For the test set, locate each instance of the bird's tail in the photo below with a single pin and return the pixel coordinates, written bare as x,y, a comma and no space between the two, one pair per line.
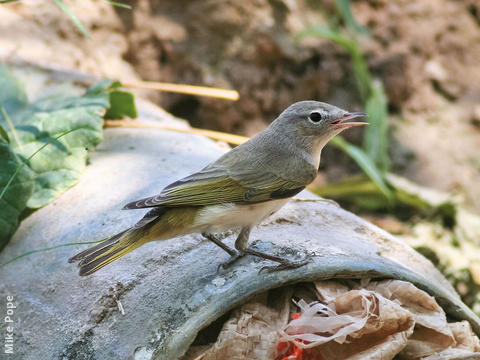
109,250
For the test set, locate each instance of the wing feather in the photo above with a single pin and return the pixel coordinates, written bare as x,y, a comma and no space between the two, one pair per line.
213,186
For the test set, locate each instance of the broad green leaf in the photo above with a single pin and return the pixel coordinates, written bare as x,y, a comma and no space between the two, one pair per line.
375,141
16,186
122,103
364,162
9,220
52,139
59,165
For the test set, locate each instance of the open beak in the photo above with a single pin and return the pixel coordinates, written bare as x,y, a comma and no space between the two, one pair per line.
343,123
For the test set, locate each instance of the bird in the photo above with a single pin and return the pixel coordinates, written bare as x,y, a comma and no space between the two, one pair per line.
237,191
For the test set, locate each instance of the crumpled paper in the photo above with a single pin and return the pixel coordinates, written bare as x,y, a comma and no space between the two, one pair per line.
252,330
370,320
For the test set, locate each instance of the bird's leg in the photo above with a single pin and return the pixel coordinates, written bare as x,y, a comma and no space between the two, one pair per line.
218,242
235,255
241,246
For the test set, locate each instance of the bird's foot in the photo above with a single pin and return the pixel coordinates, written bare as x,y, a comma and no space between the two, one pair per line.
283,263
287,264
233,258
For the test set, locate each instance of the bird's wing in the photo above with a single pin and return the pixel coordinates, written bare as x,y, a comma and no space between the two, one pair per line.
215,185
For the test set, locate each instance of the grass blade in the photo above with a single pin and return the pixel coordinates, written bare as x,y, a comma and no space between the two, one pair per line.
375,141
4,134
365,163
361,72
47,249
345,10
10,125
118,4
72,16
329,34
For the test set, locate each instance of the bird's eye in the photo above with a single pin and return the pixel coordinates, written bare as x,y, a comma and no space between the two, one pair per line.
315,117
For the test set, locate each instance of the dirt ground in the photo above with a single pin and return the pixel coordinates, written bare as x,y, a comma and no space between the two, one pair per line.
425,52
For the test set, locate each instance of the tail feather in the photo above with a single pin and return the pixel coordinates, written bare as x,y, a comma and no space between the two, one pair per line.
112,248
96,257
91,250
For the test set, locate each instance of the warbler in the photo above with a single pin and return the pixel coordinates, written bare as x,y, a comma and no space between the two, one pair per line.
235,192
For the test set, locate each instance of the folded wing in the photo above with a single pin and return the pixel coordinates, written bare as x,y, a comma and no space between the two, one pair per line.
214,185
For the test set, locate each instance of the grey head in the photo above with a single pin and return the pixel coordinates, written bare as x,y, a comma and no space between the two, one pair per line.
305,127
315,120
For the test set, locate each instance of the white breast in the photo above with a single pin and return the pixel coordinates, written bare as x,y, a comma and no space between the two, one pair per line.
218,218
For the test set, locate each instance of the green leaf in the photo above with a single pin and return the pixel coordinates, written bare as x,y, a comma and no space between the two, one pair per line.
9,218
122,103
33,125
375,141
364,162
16,186
72,17
52,138
59,166
102,86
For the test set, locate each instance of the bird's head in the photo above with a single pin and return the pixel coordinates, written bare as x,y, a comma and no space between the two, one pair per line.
315,120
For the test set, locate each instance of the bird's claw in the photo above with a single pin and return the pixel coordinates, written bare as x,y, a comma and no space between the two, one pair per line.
287,264
229,262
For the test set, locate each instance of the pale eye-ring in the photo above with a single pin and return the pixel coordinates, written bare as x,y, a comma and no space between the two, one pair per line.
315,117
